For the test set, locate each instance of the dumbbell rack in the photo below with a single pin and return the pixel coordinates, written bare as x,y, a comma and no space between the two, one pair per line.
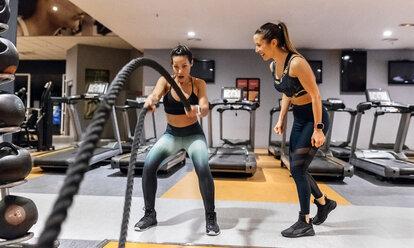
4,191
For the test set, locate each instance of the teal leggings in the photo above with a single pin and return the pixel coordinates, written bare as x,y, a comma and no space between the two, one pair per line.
190,138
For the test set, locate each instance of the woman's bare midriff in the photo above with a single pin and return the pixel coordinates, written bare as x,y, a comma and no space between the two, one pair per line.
301,100
180,120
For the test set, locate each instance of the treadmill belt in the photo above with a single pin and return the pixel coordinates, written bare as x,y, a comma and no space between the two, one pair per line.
63,158
321,166
228,162
139,162
404,167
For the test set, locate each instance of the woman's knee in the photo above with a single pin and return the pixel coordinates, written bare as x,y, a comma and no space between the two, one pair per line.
297,172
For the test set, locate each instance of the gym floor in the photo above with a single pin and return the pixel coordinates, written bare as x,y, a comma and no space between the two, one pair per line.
251,211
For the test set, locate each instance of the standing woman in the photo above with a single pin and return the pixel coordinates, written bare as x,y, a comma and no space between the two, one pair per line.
294,78
183,132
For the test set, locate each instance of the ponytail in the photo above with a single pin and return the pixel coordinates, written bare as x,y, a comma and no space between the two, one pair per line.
279,32
288,44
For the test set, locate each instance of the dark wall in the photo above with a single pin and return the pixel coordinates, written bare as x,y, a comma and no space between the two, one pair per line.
41,71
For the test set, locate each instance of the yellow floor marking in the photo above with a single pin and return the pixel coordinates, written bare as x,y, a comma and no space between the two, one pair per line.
37,153
36,172
57,151
126,156
270,183
143,245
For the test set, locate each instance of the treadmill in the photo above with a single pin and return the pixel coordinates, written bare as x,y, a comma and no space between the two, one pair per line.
122,161
233,156
275,146
324,163
387,164
64,157
340,149
391,146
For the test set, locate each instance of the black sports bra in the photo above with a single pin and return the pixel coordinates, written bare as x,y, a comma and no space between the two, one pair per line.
174,107
288,85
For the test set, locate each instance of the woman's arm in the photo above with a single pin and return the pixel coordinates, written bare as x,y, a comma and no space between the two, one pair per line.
284,108
158,92
301,69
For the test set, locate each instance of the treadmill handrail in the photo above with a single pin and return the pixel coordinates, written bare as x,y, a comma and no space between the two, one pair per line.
404,108
231,107
137,104
218,102
274,109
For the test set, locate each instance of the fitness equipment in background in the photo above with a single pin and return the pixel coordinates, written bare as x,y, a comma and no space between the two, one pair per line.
38,123
65,157
340,149
234,155
389,164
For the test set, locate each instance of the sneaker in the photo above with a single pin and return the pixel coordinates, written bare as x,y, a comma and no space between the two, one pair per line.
323,210
149,220
212,229
299,229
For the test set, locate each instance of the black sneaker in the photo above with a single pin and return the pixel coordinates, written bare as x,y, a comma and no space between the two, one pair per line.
212,229
323,210
299,229
149,220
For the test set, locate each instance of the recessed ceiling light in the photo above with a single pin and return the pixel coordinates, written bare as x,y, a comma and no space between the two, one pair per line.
407,25
54,8
387,33
191,34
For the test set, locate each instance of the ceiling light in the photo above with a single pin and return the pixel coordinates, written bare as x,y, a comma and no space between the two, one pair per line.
387,33
55,8
191,34
407,25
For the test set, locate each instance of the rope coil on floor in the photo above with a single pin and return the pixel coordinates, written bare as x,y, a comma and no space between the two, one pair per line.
76,171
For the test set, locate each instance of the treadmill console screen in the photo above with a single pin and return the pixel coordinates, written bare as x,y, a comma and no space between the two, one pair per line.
377,95
231,94
97,88
335,100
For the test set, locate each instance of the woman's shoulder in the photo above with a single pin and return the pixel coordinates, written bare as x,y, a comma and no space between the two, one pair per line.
297,60
198,82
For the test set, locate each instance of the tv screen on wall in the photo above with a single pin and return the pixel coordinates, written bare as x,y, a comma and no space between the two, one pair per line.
353,74
316,66
204,69
401,72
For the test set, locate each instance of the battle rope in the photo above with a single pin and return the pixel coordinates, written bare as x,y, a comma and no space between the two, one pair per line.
130,178
76,171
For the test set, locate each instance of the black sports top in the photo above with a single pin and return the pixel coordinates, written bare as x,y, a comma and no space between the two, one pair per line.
288,85
174,107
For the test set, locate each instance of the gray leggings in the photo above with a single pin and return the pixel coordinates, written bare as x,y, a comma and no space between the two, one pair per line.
190,138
